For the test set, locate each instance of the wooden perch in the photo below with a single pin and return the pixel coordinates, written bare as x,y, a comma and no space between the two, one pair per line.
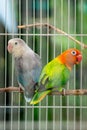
53,28
67,92
11,89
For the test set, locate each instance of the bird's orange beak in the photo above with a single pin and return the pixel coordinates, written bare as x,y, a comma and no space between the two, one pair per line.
9,48
79,58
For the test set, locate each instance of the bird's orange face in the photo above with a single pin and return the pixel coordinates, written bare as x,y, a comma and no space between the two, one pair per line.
70,57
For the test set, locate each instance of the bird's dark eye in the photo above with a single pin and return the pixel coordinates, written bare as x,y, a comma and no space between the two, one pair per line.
73,53
16,43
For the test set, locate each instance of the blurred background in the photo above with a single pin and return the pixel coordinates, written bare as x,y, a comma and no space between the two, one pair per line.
54,112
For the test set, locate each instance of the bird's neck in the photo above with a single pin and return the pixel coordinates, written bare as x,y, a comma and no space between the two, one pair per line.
62,60
18,53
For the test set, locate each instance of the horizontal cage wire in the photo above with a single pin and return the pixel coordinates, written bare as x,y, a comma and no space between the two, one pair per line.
48,27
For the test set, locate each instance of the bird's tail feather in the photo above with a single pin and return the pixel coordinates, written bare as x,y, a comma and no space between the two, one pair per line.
28,96
27,99
29,93
39,96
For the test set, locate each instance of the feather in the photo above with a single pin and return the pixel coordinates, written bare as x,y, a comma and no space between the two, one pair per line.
56,73
28,66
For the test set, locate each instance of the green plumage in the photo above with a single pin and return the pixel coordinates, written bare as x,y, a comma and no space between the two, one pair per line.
54,76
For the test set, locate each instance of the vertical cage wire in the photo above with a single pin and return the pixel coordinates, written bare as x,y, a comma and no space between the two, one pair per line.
55,112
61,52
75,69
33,49
19,22
54,48
5,69
74,97
26,110
68,47
40,110
81,66
47,62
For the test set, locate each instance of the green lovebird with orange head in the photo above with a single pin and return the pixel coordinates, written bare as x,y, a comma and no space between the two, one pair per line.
56,73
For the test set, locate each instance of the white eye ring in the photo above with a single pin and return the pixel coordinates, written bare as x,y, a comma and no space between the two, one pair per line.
73,53
16,43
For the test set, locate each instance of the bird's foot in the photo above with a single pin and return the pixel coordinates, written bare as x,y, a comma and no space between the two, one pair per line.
63,91
20,89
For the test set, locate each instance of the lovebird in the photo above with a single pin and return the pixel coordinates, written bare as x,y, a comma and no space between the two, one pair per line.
28,66
56,73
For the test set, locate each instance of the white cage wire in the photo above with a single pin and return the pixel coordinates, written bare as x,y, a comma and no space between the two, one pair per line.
54,112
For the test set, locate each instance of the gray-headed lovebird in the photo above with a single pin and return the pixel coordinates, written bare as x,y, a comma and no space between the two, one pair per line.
28,66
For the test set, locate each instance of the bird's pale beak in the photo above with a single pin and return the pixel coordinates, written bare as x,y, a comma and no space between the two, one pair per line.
9,48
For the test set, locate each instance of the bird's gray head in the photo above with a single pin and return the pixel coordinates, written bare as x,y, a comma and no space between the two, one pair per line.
16,46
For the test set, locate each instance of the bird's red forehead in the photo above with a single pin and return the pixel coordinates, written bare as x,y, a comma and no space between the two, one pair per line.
73,49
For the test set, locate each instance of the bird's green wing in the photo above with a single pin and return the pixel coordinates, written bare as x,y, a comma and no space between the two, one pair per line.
54,74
